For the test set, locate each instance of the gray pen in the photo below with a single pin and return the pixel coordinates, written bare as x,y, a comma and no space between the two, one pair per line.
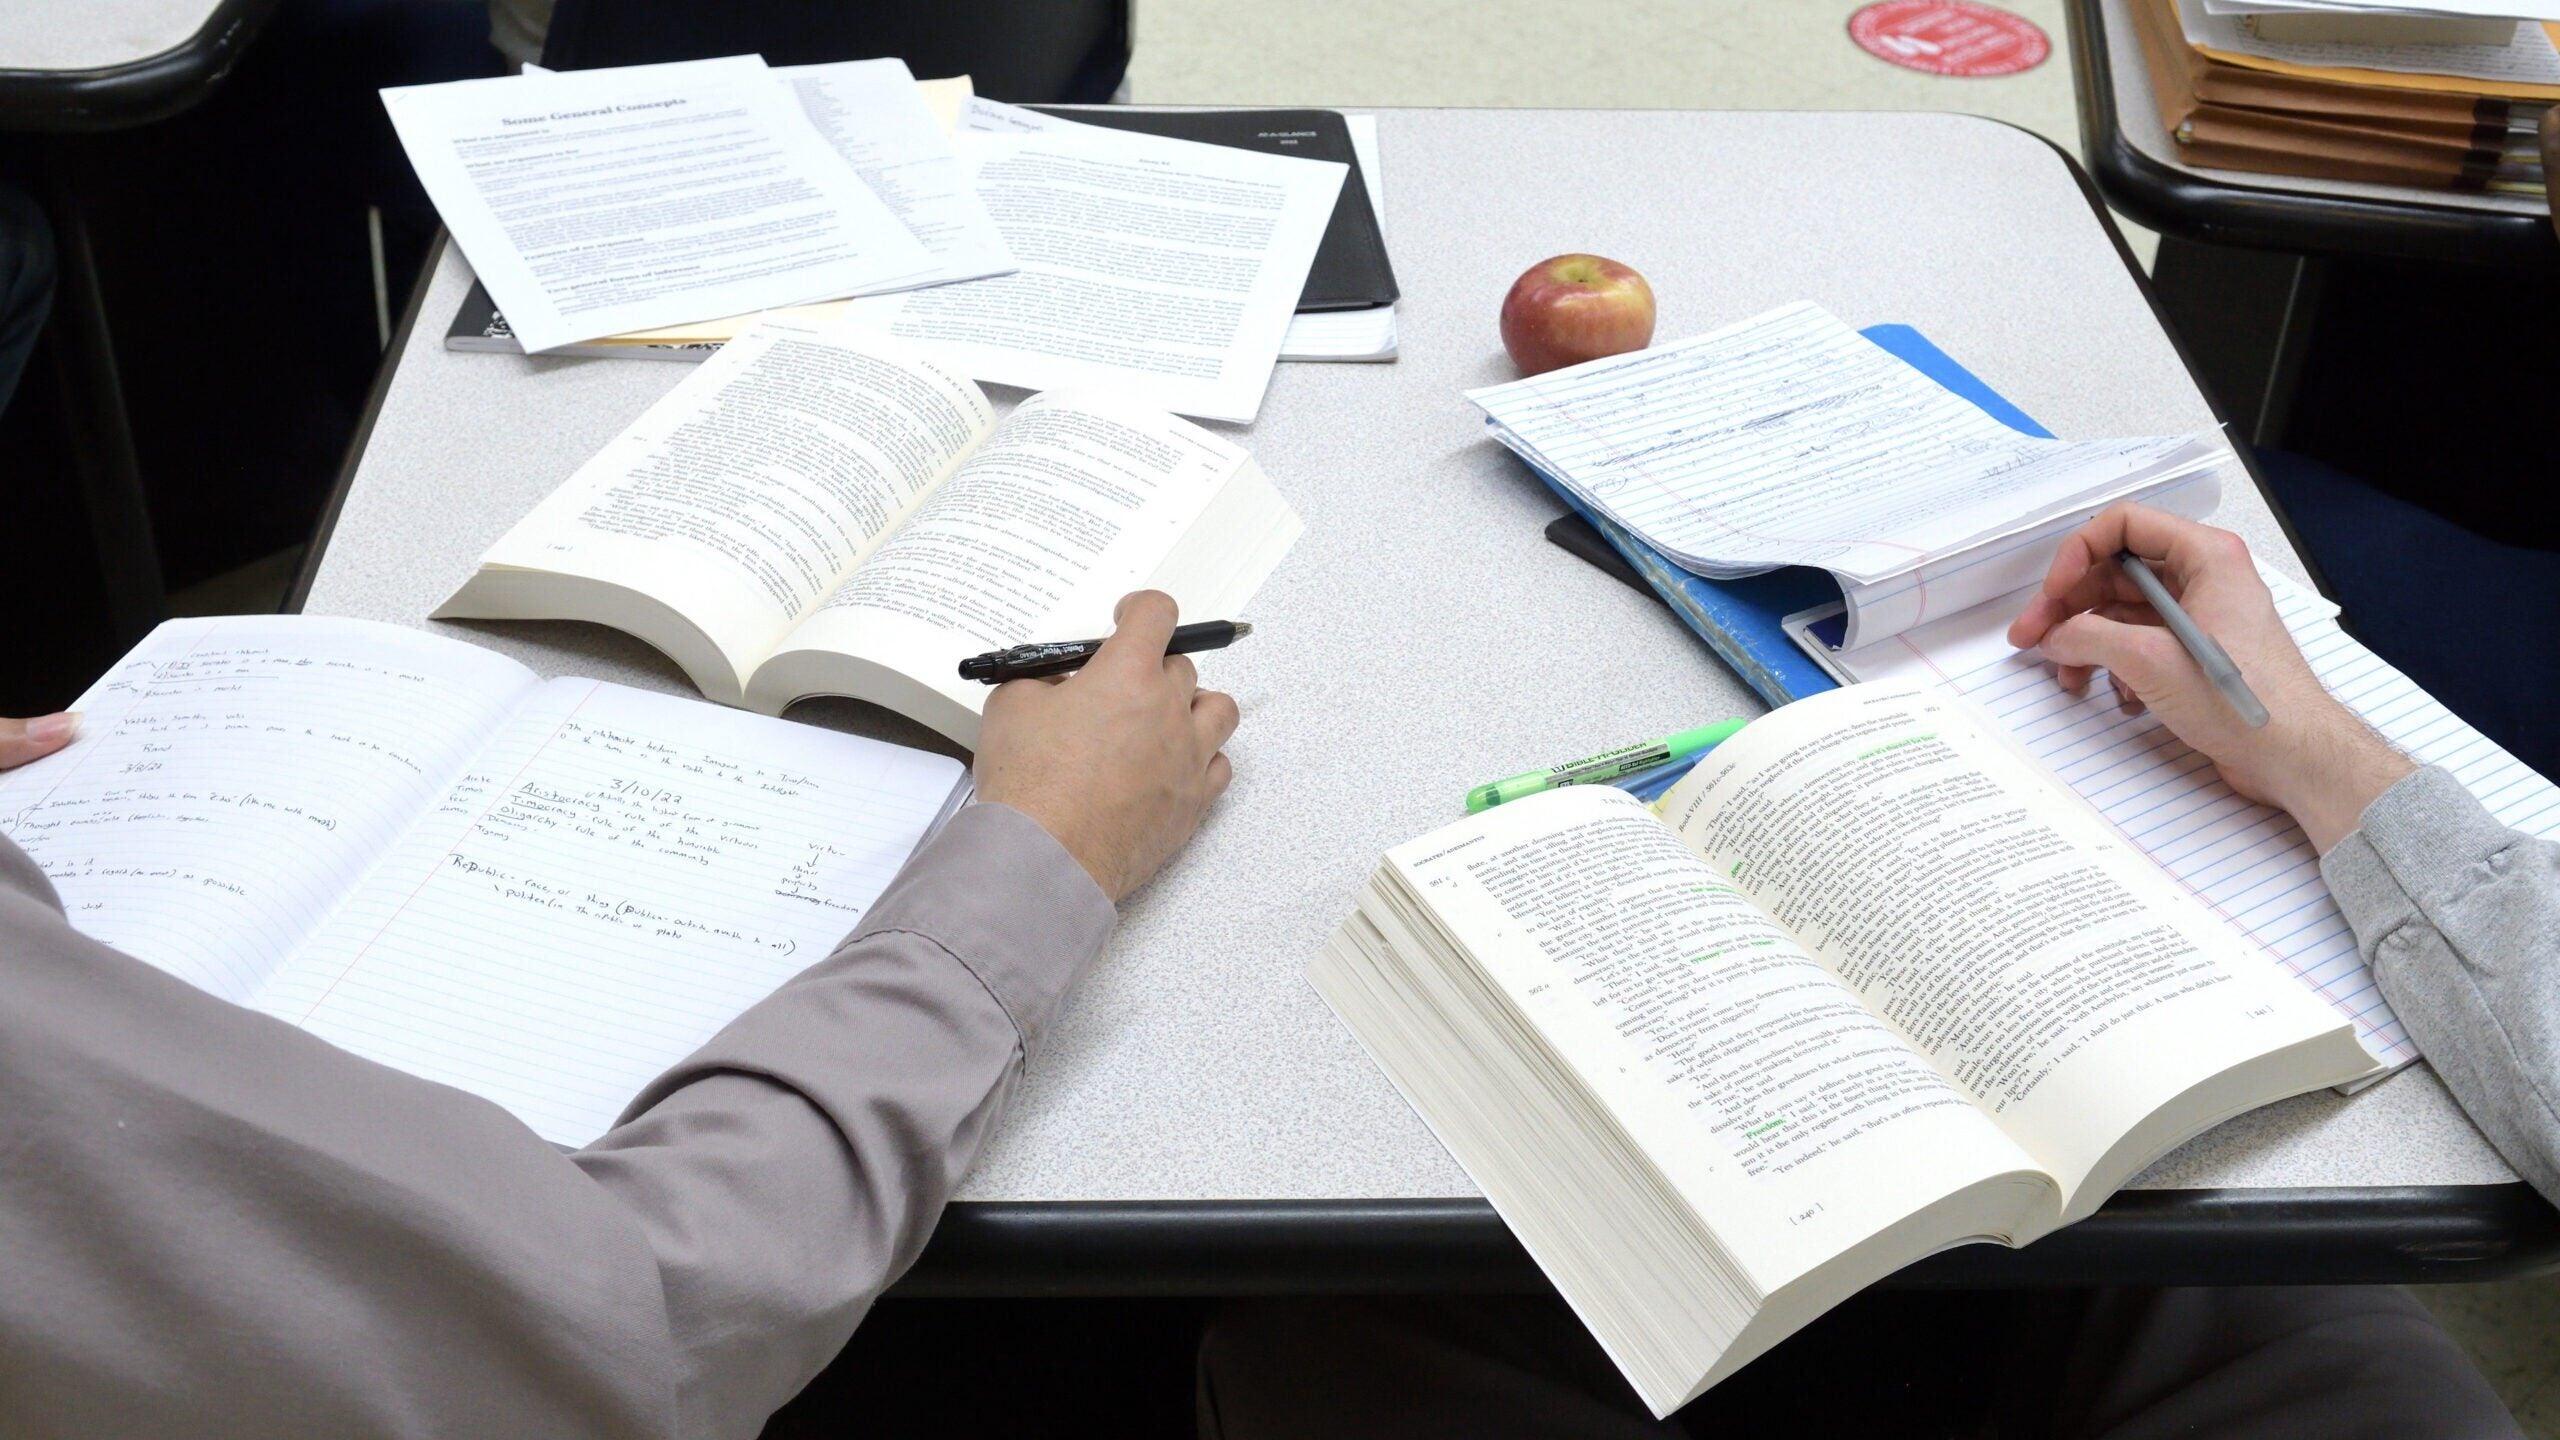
2217,665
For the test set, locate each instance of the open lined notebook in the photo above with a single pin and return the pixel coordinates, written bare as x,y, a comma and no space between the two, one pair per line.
2248,863
543,892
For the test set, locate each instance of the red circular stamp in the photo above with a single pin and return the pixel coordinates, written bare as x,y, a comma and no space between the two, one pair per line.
1949,37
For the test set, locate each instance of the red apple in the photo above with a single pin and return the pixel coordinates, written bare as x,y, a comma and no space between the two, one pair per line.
1574,308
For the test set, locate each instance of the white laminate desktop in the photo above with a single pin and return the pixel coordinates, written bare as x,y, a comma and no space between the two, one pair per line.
1423,636
2138,115
72,35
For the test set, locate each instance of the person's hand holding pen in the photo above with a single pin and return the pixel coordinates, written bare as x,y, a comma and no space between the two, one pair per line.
2313,758
1118,760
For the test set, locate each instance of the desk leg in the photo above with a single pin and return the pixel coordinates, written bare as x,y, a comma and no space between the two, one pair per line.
2245,317
93,399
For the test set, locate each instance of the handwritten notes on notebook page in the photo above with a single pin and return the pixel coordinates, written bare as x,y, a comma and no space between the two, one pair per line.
234,777
611,879
543,893
1790,439
2247,862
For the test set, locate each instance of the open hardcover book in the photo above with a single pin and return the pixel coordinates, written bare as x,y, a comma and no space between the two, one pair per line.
811,515
1869,985
543,892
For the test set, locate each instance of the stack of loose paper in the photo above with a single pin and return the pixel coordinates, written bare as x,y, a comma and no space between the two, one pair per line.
1339,335
1164,269
1333,335
2452,106
601,202
1790,439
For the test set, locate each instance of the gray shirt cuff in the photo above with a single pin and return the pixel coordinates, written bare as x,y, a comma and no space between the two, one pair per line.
2420,843
2459,917
1007,901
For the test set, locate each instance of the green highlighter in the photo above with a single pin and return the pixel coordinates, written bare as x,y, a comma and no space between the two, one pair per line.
1606,767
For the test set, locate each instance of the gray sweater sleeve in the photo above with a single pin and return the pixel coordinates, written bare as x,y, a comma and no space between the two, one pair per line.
2460,919
212,1223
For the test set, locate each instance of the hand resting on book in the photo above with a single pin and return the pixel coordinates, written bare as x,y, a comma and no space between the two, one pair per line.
24,740
1117,761
2314,758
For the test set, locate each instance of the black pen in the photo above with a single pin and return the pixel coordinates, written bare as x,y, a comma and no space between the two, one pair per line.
1057,657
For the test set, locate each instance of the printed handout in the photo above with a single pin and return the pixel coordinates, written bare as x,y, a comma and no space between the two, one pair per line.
1164,269
602,201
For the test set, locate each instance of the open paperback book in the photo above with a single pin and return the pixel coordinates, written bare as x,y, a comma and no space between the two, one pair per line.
2248,863
1868,985
1791,439
814,515
543,892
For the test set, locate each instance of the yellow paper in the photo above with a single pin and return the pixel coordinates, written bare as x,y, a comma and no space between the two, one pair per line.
945,97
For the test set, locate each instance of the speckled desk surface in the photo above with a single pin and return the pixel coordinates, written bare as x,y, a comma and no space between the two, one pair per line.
1423,635
96,34
2138,114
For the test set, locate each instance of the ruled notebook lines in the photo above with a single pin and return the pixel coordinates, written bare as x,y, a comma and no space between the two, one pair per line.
543,893
2248,863
607,884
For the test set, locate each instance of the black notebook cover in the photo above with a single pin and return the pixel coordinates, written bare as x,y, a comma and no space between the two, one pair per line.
1350,270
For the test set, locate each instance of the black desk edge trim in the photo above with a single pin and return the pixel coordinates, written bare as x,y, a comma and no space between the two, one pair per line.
2442,1234
2089,192
117,97
309,570
2430,1234
2218,212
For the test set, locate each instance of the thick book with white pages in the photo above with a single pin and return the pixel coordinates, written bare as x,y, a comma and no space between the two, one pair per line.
816,515
545,892
1869,983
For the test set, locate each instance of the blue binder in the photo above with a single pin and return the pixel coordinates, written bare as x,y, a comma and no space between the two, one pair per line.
1740,618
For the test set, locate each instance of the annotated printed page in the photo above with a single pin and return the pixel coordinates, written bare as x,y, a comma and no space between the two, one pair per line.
1792,1118
233,777
617,875
1163,270
596,202
1791,439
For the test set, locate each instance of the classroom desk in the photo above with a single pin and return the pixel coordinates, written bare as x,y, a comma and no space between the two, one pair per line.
1197,1121
2139,170
110,64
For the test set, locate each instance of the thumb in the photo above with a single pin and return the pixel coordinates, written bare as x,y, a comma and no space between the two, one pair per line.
2146,658
25,740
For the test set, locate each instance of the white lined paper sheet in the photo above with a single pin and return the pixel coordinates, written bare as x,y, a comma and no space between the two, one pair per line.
615,877
2248,863
235,775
